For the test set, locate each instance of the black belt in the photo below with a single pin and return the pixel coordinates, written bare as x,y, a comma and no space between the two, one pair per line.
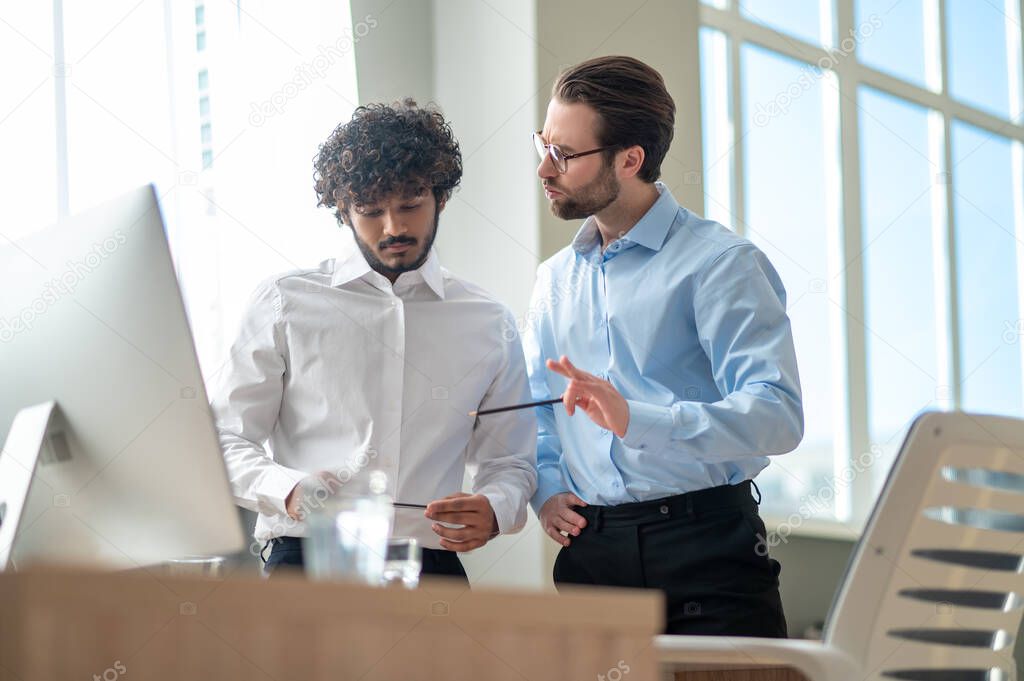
689,504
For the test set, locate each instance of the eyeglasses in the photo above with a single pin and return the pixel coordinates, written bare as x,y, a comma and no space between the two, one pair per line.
559,158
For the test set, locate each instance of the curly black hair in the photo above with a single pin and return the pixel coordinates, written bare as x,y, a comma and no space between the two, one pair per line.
386,148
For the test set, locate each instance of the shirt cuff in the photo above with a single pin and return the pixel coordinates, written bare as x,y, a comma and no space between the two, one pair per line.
549,483
649,426
276,484
504,514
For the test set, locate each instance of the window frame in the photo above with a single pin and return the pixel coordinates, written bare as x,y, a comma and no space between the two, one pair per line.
847,334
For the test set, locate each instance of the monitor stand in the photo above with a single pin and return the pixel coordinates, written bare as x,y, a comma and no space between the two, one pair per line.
25,445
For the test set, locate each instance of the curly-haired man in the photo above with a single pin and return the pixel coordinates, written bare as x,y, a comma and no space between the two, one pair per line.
373,360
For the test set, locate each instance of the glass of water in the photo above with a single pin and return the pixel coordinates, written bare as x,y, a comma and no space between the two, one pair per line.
403,563
348,531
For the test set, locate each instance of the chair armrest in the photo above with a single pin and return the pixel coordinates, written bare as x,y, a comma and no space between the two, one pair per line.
813,659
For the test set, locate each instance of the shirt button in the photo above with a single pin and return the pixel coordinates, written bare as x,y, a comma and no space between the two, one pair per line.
664,510
643,446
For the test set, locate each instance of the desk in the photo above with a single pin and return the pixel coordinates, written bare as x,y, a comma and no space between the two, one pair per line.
725,666
65,624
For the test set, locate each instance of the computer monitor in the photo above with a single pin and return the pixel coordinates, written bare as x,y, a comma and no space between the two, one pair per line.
130,472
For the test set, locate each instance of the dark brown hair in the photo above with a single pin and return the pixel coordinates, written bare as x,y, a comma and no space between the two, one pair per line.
386,148
632,102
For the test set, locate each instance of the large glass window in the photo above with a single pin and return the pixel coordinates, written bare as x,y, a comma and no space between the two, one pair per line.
804,19
899,181
987,242
897,41
785,100
979,38
878,161
28,174
226,128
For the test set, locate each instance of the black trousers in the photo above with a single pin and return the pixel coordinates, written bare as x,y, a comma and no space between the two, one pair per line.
287,553
701,548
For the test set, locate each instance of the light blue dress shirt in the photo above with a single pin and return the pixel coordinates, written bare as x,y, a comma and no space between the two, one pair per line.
688,321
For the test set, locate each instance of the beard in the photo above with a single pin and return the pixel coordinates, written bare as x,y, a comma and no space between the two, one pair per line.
589,199
377,265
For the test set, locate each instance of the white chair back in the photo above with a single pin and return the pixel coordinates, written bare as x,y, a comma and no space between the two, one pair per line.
933,589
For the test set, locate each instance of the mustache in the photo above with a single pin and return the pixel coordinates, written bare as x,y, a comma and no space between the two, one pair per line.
391,241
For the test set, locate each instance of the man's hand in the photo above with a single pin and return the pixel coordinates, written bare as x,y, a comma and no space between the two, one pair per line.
473,511
297,502
556,516
293,503
597,397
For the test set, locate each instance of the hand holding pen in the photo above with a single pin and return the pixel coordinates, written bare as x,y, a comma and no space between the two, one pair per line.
598,398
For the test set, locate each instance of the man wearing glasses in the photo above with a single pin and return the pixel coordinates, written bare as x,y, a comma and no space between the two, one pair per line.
682,363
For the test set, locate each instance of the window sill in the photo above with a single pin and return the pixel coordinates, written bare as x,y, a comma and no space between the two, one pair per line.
813,528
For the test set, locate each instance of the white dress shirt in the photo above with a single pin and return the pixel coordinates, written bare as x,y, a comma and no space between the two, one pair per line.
337,369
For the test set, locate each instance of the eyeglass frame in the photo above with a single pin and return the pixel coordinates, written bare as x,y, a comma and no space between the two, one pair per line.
539,142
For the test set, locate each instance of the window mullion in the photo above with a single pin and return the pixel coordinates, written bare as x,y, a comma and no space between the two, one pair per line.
60,73
952,371
846,291
738,165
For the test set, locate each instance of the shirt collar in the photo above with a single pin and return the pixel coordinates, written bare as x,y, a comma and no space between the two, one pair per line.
650,231
431,273
354,266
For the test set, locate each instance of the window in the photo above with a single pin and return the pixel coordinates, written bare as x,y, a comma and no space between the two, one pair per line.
28,122
897,43
103,115
901,204
983,54
988,235
235,182
892,203
794,236
717,135
799,18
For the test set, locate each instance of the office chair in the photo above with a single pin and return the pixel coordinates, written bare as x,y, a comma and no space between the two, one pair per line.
933,588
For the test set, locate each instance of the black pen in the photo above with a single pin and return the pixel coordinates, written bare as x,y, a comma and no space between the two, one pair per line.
515,406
